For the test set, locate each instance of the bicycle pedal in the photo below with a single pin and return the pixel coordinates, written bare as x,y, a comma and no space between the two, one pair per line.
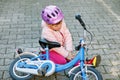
43,71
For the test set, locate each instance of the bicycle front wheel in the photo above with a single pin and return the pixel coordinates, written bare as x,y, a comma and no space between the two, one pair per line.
91,74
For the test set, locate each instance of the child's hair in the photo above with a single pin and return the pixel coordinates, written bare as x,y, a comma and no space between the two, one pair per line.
52,14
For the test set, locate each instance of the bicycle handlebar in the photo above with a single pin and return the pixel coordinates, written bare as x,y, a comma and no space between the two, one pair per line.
78,17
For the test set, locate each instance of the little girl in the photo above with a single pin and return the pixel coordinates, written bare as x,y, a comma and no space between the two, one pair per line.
54,29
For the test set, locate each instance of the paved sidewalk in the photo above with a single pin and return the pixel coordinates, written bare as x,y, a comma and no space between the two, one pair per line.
20,27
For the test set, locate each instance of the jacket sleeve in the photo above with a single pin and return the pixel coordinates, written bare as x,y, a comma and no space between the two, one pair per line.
68,39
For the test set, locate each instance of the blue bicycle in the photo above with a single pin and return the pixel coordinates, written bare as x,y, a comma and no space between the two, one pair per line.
28,64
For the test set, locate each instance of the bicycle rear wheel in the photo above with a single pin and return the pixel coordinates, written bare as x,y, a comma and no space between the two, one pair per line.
91,73
16,75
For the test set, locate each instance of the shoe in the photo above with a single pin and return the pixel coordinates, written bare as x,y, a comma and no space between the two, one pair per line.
96,61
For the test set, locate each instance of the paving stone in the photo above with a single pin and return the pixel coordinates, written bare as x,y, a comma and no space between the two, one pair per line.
4,68
106,62
10,55
8,61
110,77
6,75
1,62
1,74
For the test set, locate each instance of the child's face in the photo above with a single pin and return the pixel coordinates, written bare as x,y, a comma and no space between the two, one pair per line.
56,26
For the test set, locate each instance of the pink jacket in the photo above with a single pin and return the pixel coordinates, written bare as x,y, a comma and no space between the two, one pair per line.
63,37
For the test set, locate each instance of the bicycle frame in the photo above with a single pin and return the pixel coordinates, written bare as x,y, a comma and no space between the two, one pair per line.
79,57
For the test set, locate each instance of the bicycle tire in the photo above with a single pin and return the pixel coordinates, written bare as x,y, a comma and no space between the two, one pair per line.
76,73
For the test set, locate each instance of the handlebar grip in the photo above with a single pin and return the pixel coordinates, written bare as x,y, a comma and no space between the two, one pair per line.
77,47
78,17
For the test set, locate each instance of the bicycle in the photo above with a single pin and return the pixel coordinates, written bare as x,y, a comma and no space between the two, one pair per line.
28,64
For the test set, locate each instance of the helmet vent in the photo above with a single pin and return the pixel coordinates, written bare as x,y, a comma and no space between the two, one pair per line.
42,11
48,16
56,12
58,9
53,14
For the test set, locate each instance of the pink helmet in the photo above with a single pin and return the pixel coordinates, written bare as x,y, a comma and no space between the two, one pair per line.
52,14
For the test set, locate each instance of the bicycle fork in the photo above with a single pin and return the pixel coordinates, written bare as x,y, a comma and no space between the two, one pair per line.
82,58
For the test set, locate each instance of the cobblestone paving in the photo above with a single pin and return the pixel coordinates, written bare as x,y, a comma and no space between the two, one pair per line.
20,27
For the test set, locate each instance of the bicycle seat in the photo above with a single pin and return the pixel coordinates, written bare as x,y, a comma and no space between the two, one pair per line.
51,44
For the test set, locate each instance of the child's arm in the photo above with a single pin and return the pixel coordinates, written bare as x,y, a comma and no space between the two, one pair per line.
68,39
47,34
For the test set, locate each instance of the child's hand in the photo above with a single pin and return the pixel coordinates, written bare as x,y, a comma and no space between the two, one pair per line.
70,56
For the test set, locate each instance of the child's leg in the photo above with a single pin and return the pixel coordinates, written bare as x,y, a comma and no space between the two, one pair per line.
57,58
